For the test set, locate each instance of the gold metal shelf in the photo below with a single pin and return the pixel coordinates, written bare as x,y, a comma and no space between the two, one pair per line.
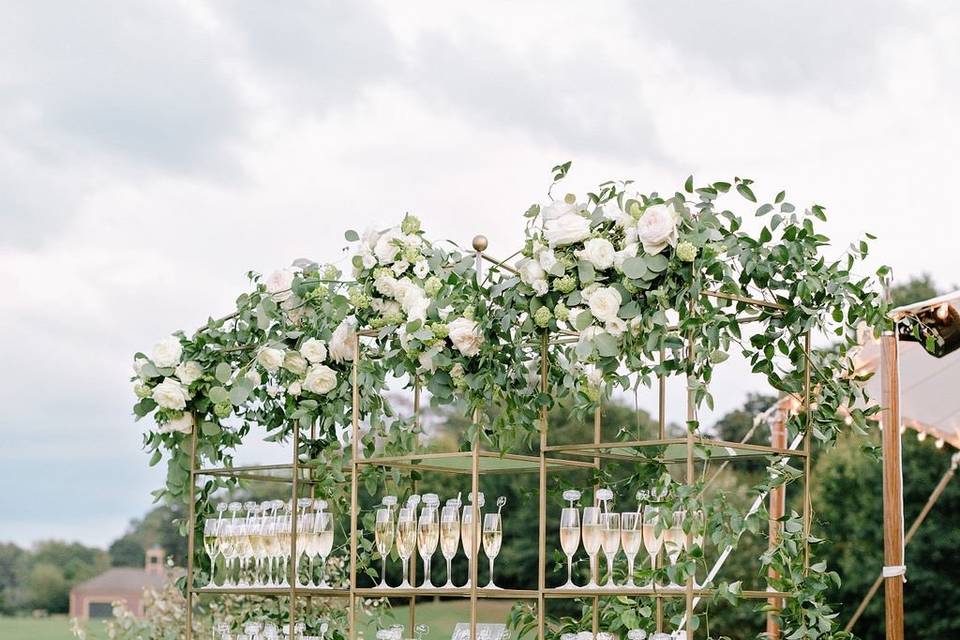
313,592
393,592
671,450
581,592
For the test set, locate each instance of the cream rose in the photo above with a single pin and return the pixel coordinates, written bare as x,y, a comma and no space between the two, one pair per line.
387,246
657,228
270,358
320,379
294,389
181,424
605,304
314,350
167,352
599,252
341,342
547,259
170,394
412,299
278,284
188,372
295,363
533,274
566,230
557,209
465,336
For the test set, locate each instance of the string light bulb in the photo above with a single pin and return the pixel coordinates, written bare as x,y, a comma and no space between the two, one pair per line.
943,311
939,443
921,436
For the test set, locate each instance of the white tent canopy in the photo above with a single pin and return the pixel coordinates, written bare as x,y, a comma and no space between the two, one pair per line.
929,386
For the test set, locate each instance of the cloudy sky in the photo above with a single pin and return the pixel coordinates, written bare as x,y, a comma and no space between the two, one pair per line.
151,152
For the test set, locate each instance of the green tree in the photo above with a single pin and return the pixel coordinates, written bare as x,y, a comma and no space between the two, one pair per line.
127,551
13,565
47,588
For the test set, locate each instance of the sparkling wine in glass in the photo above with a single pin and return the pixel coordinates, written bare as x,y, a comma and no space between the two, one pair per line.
406,540
591,530
450,536
652,540
570,533
472,518
210,538
323,526
631,538
610,542
428,535
384,530
674,540
492,539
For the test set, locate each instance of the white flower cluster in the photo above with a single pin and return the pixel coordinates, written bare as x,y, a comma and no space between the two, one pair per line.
170,389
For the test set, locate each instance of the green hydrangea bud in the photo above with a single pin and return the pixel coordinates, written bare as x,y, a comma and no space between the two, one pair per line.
330,272
592,393
141,390
634,209
381,272
542,317
411,254
468,313
561,312
686,251
565,284
432,286
222,409
440,330
358,298
394,317
410,224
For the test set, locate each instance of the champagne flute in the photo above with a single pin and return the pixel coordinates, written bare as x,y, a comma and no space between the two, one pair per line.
466,531
450,536
493,538
210,544
570,533
383,533
406,539
283,539
674,540
592,532
268,533
428,535
246,549
652,541
610,542
323,527
631,537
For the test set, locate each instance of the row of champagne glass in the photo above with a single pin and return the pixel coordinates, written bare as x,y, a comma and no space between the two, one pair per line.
255,541
265,630
603,530
446,527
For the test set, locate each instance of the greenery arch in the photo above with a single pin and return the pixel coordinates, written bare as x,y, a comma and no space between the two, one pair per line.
620,272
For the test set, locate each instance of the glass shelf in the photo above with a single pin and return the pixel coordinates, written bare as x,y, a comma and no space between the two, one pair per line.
670,450
393,592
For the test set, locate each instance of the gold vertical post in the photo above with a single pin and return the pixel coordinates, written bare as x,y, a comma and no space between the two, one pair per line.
294,486
691,417
412,608
191,530
597,422
778,439
544,418
661,434
475,525
892,484
354,481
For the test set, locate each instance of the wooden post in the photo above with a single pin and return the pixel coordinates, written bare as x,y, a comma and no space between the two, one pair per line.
778,439
892,484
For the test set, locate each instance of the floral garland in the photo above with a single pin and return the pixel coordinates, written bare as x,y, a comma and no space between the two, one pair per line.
626,280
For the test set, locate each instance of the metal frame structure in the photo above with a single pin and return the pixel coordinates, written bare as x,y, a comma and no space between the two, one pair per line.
476,462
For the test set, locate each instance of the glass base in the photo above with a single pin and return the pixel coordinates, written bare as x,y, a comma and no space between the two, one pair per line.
491,586
569,584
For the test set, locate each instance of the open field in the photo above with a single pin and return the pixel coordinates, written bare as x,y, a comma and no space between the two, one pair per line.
440,616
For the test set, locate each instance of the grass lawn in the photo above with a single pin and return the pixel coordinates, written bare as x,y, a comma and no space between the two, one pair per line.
440,616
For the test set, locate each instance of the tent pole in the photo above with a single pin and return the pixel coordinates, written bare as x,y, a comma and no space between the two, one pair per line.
934,496
892,486
778,439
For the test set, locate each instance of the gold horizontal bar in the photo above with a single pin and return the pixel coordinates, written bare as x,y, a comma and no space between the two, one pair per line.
311,592
745,300
707,442
499,263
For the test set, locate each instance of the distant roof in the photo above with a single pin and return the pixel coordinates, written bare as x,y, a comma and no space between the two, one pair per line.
124,580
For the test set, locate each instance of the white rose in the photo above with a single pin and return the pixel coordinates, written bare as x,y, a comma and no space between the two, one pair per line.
170,394
387,247
629,251
465,336
593,374
611,210
566,230
412,299
421,269
616,326
597,251
605,304
533,274
385,284
399,267
320,379
657,228
636,324
557,209
314,350
182,424
295,363
368,260
547,259
167,352
270,358
294,389
188,372
278,284
341,342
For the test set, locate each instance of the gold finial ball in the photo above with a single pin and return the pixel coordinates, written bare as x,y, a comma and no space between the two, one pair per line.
480,243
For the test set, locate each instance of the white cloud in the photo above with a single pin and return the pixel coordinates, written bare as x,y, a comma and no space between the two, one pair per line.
152,153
